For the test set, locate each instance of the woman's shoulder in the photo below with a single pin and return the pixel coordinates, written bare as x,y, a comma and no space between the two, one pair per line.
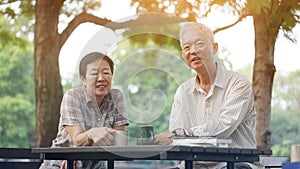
75,91
116,93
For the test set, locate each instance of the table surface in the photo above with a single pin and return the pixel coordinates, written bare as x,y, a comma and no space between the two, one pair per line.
152,152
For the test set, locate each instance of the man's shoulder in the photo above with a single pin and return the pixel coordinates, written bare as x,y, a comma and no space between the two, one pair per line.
188,84
236,76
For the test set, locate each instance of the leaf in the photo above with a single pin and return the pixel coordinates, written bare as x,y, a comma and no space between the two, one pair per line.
258,6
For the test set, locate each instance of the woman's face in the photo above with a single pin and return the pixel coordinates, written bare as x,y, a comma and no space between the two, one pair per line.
98,79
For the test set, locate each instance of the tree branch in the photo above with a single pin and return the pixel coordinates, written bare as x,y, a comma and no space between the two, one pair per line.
142,20
231,25
79,19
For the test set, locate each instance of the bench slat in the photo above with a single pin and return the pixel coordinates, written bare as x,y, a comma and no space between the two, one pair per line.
20,165
19,158
274,161
19,153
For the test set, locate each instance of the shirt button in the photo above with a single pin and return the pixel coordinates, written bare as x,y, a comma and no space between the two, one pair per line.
99,119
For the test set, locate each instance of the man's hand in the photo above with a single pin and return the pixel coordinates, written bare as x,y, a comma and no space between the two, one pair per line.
101,136
190,132
164,138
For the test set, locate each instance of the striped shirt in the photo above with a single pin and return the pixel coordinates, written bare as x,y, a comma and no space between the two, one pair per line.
227,111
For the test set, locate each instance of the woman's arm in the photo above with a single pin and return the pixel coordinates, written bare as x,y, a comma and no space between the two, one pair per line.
101,136
78,135
120,127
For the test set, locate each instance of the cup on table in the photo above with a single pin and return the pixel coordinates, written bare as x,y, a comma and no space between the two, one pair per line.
120,138
145,135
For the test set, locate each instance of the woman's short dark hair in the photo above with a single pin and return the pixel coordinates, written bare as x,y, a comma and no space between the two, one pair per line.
89,58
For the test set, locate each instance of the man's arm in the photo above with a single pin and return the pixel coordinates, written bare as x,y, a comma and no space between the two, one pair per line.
179,116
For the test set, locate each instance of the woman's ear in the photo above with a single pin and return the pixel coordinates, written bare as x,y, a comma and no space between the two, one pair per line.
216,47
82,79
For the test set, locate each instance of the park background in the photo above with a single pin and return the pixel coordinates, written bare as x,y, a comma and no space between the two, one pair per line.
237,52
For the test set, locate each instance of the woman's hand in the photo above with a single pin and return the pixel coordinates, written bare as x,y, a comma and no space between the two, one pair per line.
165,138
101,136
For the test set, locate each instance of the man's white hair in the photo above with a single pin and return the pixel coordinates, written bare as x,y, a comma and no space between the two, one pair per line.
194,26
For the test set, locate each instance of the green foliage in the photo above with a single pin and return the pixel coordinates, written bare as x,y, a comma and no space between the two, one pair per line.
285,132
222,58
283,149
16,72
285,115
258,6
247,71
285,13
16,22
17,99
166,35
17,121
72,81
8,34
13,9
183,9
72,8
285,111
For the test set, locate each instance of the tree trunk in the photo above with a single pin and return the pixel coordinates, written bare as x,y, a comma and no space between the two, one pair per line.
264,70
48,88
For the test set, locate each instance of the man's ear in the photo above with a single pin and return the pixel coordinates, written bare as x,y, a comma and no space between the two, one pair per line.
216,47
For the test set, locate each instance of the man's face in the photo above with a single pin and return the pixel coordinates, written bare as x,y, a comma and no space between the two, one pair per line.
98,78
197,50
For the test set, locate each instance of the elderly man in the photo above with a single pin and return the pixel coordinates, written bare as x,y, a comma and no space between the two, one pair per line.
216,102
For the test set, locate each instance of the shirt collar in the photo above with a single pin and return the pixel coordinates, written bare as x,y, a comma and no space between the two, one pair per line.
219,81
89,98
220,77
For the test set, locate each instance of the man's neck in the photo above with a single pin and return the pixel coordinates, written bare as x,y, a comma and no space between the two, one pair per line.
206,78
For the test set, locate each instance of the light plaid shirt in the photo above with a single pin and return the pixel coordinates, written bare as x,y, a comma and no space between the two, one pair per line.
227,111
80,109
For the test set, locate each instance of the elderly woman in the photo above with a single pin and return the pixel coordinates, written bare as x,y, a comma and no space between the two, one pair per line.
91,113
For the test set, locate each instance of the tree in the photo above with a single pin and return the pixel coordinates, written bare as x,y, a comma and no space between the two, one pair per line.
269,17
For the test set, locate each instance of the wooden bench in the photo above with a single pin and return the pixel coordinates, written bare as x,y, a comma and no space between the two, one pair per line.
19,158
274,161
